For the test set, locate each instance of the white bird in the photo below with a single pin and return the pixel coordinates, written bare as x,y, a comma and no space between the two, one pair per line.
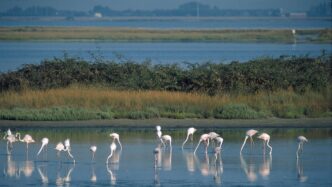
93,150
293,31
301,140
213,135
44,143
10,140
27,139
190,132
159,134
113,148
220,140
205,138
68,148
249,134
266,139
7,133
116,137
168,138
59,147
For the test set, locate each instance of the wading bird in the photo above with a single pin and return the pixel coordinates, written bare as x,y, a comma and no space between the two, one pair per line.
44,144
220,140
7,133
59,147
10,140
190,132
167,138
301,140
249,134
205,138
266,139
93,150
116,137
159,134
27,139
68,149
113,148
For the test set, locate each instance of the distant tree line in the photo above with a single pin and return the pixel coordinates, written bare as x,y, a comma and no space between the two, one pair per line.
268,74
187,9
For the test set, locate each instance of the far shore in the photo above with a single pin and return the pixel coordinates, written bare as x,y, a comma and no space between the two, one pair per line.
176,123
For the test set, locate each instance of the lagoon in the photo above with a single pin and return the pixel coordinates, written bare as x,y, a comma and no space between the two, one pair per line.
134,165
14,54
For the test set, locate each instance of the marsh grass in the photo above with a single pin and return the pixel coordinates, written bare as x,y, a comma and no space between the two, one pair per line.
83,103
151,35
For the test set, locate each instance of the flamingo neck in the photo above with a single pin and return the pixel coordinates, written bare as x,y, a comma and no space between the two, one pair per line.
244,142
19,137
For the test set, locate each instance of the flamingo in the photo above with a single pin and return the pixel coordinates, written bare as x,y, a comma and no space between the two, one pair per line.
93,150
113,148
116,136
220,140
190,132
159,134
59,147
27,139
68,148
249,134
8,133
301,140
205,138
44,144
10,140
266,139
168,139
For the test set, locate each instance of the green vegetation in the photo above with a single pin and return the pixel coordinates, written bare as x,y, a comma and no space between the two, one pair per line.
151,35
74,89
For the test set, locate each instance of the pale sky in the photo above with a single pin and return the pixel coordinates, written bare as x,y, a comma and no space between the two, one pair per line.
85,5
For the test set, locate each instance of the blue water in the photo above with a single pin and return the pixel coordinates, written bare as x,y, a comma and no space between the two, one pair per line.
226,23
134,165
14,54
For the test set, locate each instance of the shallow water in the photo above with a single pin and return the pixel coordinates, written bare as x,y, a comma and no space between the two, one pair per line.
134,165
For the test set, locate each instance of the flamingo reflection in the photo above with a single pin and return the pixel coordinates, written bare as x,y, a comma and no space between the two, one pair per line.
112,176
43,174
299,166
11,169
60,181
27,168
265,168
249,169
167,160
93,177
190,160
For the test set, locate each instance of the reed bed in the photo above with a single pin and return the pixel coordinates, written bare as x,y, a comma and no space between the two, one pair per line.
149,35
82,103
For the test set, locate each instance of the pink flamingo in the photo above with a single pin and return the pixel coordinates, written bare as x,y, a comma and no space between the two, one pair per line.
266,139
205,138
190,132
249,134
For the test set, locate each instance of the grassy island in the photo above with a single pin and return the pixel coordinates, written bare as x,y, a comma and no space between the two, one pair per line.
75,89
164,35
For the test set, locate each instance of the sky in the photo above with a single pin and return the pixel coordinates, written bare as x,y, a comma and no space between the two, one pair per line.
86,5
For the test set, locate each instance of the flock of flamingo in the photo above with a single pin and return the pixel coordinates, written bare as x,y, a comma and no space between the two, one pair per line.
166,141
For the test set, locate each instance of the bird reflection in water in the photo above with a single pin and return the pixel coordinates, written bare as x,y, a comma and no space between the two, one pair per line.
27,168
299,166
60,181
112,176
249,169
11,170
204,164
42,170
93,177
157,164
217,169
167,160
114,165
190,160
265,168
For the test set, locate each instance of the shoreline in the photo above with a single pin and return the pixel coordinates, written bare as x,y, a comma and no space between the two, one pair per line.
175,123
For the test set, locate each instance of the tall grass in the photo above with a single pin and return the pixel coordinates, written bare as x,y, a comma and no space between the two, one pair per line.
82,102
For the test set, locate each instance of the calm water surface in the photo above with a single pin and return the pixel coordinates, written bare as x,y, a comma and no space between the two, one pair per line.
237,23
15,54
134,165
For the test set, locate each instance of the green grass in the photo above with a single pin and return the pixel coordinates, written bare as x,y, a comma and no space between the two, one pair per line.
152,35
87,103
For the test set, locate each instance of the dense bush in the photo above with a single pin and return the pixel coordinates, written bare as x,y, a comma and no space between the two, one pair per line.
266,74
